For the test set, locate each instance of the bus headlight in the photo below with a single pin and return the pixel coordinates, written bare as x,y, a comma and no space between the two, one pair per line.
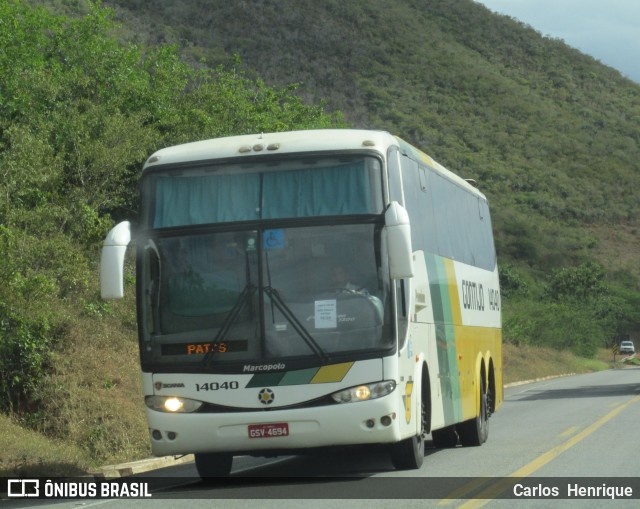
172,404
364,392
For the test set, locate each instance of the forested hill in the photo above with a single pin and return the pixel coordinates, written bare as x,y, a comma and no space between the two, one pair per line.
551,135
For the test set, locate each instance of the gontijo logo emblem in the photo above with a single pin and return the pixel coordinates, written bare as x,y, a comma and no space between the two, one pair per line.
266,396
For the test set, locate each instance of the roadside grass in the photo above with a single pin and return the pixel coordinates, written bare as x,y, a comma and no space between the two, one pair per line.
100,405
27,453
89,411
97,417
522,363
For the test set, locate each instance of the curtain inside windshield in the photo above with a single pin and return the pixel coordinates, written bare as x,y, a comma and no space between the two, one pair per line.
234,194
210,199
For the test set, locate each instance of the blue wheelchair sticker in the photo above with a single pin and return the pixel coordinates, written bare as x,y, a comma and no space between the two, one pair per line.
273,239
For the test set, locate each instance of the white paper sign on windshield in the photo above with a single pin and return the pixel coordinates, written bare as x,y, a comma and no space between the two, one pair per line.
326,315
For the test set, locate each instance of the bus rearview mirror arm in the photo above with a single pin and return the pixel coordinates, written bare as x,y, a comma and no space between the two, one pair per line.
112,261
398,231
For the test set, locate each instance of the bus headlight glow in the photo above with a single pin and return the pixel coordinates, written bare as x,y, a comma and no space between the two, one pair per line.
172,404
364,392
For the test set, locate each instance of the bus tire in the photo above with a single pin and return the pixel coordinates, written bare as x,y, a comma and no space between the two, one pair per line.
408,454
445,438
213,464
475,431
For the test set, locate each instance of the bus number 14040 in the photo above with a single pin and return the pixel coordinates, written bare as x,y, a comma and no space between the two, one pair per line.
215,386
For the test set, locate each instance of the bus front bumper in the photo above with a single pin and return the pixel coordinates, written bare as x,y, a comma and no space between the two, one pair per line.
368,422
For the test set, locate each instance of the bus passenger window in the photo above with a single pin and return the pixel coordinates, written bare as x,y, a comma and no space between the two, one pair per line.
402,314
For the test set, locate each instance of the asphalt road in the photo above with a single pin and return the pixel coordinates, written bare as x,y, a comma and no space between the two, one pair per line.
544,435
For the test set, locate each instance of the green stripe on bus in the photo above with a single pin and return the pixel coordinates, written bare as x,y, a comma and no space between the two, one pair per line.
299,377
445,338
436,299
265,379
451,340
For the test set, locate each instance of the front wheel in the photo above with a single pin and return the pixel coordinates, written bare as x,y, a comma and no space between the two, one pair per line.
408,454
213,464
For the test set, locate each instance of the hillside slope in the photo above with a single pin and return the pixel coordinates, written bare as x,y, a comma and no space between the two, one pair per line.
552,136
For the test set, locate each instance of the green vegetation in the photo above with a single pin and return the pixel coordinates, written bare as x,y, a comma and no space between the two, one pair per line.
525,363
79,113
551,136
29,453
574,308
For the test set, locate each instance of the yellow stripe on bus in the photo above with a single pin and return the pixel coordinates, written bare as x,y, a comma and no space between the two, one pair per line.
333,373
470,341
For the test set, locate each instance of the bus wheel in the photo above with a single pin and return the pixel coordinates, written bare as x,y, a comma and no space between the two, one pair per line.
213,464
408,454
476,431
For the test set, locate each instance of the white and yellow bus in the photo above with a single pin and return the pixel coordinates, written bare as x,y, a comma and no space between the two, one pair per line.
309,289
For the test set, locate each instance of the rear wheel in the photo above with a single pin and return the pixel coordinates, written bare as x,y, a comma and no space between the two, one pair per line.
475,431
213,464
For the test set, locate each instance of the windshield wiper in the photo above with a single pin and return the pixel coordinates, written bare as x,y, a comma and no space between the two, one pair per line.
275,298
232,317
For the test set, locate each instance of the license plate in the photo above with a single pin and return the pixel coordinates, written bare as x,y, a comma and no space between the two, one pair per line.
271,430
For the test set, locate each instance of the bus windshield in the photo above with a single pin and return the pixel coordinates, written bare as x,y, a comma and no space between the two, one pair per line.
239,265
218,298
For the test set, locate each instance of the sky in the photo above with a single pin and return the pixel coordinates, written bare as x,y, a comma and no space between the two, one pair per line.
608,30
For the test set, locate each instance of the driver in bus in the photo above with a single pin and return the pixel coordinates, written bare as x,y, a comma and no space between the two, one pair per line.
340,281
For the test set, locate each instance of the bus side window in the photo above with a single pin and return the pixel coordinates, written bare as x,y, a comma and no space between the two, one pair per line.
423,178
413,198
402,313
152,289
395,178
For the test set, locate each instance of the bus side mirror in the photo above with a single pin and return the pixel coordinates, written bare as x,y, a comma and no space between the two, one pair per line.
112,261
398,231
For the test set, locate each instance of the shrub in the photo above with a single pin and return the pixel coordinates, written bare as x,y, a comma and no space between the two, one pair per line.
25,345
511,282
558,325
583,283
